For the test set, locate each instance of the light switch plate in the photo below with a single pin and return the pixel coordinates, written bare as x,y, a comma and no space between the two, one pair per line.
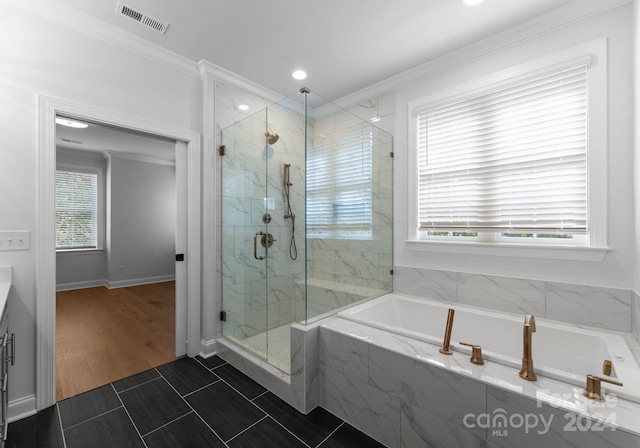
15,239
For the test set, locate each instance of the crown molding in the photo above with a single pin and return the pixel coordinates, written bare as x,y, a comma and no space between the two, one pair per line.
136,157
89,25
93,27
209,70
538,26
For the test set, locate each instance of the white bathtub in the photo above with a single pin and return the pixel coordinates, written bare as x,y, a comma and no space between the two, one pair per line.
562,352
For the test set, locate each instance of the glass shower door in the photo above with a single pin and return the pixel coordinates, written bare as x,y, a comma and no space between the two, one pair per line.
262,262
244,235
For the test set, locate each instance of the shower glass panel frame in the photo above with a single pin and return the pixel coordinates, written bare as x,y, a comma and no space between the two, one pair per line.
344,250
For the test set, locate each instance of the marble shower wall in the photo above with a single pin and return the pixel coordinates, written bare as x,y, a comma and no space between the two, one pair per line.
595,306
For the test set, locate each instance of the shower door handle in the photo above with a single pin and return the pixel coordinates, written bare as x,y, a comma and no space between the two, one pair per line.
255,246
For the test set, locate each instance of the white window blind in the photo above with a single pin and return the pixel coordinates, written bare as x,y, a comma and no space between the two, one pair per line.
76,210
339,171
512,159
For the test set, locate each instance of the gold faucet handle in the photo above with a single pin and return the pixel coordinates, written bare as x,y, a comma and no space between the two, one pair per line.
606,367
476,353
593,390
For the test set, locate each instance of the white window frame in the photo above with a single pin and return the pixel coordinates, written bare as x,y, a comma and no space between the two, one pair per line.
594,246
100,237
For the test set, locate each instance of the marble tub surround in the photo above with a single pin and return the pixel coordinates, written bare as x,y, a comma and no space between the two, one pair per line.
594,306
404,393
607,308
566,352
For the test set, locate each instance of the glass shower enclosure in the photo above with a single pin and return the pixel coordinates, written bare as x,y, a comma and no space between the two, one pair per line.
307,221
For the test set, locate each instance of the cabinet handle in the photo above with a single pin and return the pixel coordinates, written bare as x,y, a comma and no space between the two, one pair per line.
13,349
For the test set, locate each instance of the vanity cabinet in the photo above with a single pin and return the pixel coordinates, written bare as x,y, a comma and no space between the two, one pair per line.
7,356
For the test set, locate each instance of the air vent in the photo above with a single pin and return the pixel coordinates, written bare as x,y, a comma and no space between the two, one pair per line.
139,16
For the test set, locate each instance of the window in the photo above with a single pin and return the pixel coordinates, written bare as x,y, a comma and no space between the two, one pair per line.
508,163
76,210
339,174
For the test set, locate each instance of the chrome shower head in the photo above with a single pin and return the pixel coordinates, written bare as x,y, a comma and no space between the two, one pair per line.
271,138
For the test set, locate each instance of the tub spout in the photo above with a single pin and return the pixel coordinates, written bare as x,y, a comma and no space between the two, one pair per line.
527,360
445,350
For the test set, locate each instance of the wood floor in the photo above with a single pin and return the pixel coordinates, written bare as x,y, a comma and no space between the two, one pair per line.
103,335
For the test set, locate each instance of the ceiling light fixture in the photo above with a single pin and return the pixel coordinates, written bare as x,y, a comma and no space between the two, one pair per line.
471,2
243,107
71,123
299,75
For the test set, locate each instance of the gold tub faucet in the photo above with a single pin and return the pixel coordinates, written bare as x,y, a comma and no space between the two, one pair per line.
527,360
445,350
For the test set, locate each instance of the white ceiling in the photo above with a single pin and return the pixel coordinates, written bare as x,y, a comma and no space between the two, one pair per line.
344,45
105,139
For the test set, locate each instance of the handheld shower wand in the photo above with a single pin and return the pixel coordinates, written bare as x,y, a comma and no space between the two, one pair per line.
293,250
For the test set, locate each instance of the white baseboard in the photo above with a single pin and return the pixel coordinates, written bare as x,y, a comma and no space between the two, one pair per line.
113,285
139,281
208,348
21,408
81,285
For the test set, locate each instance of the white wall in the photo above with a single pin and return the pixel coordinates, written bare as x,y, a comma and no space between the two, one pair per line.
40,57
617,269
142,217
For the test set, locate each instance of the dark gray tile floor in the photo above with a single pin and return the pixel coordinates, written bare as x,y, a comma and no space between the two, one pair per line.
188,403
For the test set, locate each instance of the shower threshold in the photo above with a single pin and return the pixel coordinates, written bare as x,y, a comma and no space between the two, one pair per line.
277,342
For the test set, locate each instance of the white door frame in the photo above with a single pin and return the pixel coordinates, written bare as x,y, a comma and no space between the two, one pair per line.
182,240
45,230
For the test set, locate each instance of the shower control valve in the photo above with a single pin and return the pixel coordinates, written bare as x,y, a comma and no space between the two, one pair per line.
267,240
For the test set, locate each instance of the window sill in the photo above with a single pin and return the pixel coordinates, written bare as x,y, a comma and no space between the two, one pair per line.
545,252
66,252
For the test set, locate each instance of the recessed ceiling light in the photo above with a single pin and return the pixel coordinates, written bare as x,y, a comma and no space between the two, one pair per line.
299,74
71,123
243,107
376,118
471,2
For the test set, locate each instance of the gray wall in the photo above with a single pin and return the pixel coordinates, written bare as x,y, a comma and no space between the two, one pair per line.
141,221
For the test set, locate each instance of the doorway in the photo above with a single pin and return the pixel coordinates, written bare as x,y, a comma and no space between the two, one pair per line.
116,211
188,160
